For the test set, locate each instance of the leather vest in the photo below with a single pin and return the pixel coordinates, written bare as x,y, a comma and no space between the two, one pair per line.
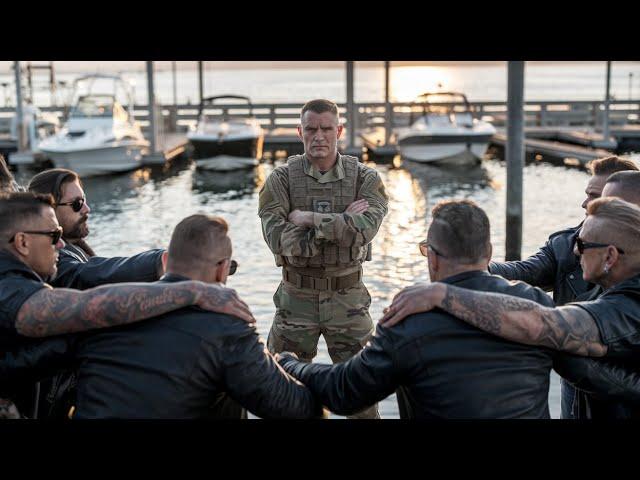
307,194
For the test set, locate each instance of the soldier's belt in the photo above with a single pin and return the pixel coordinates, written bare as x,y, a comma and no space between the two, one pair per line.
325,284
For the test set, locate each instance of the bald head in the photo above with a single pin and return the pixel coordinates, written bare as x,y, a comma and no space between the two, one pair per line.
198,244
461,231
624,185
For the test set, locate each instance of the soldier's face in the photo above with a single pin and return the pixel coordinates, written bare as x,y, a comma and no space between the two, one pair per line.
320,133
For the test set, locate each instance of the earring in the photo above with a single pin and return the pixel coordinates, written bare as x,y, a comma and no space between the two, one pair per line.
606,269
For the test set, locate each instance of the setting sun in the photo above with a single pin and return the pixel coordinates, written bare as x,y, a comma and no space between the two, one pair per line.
409,82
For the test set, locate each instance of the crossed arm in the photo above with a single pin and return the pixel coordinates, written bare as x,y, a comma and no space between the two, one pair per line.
57,311
569,329
301,234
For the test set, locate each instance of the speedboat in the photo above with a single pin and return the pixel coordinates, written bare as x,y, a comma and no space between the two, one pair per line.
38,126
100,136
225,142
446,131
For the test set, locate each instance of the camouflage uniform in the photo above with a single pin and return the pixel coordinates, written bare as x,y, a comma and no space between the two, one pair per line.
322,291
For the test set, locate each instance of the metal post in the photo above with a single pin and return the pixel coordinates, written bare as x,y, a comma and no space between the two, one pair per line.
52,84
605,128
351,113
175,88
153,126
19,114
387,105
515,159
173,121
200,82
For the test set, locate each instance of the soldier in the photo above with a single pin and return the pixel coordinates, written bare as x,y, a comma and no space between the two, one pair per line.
319,214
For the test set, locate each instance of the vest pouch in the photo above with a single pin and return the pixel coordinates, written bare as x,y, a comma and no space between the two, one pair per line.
344,255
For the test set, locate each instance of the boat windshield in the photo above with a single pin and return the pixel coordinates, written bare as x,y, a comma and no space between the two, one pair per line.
443,103
209,118
94,106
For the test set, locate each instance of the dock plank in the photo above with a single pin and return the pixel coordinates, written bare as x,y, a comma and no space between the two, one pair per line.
555,148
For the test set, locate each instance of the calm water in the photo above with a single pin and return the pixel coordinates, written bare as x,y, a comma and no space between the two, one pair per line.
481,81
137,211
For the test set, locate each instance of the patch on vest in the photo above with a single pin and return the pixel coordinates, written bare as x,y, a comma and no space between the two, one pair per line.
323,206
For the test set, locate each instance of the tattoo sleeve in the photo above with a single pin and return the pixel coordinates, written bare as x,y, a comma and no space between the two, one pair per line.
569,329
58,311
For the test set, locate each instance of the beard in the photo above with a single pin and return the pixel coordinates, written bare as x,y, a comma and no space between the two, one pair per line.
79,230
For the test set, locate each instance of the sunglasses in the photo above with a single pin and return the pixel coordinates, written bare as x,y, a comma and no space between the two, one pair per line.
582,246
424,247
76,205
232,267
54,234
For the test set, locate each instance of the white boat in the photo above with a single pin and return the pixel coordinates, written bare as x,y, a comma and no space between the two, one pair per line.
446,131
38,126
228,141
100,136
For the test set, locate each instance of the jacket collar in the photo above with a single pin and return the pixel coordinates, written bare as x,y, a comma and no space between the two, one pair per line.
628,286
461,277
75,250
173,277
11,263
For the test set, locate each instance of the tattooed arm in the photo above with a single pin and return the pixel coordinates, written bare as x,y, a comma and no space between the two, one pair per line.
56,311
569,329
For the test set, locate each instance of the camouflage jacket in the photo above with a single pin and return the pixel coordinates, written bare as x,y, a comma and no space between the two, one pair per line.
344,230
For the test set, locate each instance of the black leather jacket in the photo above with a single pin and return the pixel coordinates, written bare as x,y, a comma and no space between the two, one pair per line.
445,368
173,366
78,270
555,267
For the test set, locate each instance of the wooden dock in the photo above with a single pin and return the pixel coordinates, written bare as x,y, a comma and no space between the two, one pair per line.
170,146
373,140
570,153
573,135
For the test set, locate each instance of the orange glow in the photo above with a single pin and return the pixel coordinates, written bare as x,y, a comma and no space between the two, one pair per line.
409,82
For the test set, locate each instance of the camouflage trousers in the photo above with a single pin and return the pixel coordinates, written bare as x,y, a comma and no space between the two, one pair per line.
342,317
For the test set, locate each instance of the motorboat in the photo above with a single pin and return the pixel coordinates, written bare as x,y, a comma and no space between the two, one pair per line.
100,135
445,132
224,140
38,125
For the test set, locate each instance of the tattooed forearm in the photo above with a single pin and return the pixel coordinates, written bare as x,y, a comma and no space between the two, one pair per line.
57,311
569,329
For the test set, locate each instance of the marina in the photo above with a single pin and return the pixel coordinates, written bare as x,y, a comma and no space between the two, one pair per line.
137,210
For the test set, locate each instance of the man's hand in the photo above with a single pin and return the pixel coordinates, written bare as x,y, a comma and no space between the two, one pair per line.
8,409
417,298
219,299
358,206
283,355
301,219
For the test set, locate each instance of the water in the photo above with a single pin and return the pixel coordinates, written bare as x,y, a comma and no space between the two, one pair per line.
137,211
297,82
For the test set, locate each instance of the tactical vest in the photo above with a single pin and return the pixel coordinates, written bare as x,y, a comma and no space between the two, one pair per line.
307,194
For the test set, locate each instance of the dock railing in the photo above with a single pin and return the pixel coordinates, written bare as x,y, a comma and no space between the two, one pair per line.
369,115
